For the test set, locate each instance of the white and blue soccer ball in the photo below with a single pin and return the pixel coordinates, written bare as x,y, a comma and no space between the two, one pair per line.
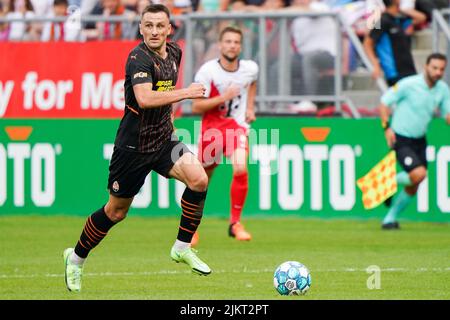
292,278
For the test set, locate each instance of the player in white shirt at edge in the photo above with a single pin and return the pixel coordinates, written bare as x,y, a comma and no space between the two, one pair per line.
227,111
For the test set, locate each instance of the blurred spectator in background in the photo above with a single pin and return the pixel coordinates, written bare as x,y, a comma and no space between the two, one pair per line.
206,46
427,7
4,5
258,5
87,6
3,26
170,4
130,4
251,27
421,10
184,6
417,10
75,3
246,5
441,4
271,5
19,30
60,31
177,7
140,6
388,44
314,42
41,8
408,7
211,5
174,10
106,30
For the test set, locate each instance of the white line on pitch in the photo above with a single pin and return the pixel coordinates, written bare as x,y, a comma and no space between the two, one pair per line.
168,272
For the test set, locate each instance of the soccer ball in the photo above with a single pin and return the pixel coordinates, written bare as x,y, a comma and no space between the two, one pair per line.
292,278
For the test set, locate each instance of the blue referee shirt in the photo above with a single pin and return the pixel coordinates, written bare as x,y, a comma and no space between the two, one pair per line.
415,104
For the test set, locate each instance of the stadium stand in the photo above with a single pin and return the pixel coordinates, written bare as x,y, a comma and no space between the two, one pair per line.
354,81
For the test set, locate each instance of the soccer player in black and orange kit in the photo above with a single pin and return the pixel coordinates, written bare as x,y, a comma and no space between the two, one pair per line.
145,142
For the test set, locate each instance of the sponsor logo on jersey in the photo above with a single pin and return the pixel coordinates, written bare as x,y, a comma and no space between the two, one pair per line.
165,85
140,75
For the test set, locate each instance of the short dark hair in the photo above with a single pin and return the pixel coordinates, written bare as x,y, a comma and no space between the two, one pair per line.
61,2
155,8
387,3
436,55
230,29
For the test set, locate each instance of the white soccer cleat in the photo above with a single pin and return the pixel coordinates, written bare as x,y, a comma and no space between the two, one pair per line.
72,272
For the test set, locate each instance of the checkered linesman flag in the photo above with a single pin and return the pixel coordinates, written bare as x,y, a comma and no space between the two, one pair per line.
379,183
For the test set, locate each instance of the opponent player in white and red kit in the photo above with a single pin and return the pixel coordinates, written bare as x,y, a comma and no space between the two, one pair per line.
228,109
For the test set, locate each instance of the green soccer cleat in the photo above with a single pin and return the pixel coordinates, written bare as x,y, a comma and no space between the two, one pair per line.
72,272
189,257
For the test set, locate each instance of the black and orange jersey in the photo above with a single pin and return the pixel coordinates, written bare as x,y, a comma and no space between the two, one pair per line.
145,130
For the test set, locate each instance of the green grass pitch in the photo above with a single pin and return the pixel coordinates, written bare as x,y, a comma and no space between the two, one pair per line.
133,261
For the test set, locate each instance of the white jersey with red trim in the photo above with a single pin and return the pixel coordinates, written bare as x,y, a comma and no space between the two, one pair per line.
216,80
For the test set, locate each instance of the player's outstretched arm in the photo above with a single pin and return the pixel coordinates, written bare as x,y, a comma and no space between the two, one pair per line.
205,104
148,98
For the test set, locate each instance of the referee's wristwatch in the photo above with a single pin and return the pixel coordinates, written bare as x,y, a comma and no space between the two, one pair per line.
385,125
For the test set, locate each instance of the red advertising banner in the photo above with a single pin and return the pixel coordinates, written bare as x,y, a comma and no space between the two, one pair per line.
63,79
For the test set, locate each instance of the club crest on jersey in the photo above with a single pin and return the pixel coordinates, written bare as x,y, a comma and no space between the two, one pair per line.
115,186
408,161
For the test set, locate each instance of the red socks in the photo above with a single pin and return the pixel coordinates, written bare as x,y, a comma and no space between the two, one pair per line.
239,188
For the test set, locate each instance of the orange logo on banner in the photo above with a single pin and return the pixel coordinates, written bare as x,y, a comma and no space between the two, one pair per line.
315,134
379,183
18,133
